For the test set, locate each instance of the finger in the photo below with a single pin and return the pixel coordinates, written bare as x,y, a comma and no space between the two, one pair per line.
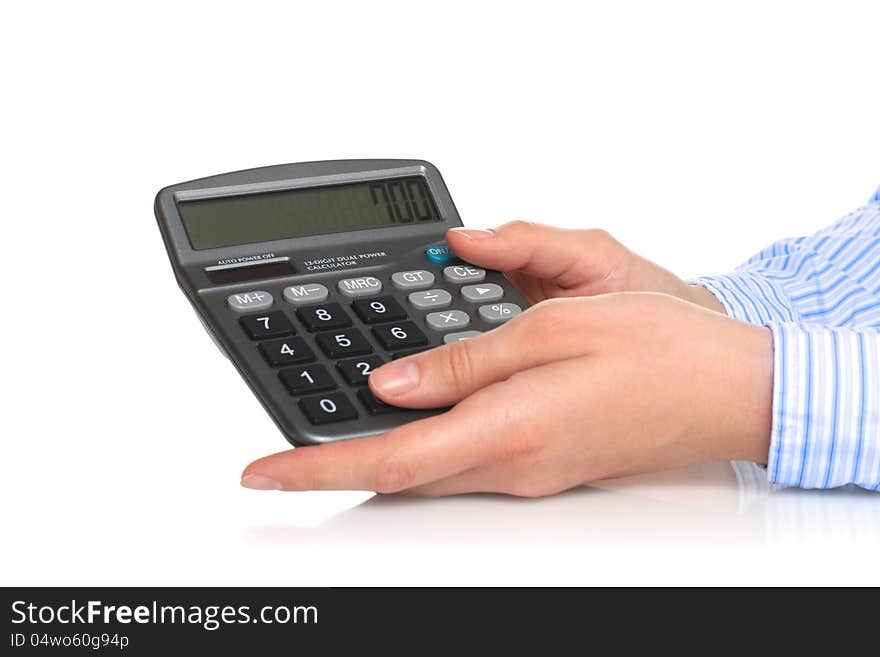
568,258
445,375
534,455
530,287
409,456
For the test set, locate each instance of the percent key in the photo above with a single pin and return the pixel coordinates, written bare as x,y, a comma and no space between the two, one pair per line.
498,313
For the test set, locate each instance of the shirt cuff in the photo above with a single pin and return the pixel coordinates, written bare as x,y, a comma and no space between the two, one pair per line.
826,407
749,297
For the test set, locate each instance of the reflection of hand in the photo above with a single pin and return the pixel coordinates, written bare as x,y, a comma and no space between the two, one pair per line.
570,391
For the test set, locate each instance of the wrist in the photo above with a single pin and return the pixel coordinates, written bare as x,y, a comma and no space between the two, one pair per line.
752,397
701,296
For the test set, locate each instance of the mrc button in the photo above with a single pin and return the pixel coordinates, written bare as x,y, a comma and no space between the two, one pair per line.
362,286
441,254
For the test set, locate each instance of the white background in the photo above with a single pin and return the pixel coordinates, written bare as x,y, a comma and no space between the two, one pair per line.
696,132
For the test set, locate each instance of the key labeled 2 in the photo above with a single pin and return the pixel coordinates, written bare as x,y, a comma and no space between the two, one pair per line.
356,371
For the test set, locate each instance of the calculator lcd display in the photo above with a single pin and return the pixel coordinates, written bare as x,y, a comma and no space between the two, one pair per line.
233,220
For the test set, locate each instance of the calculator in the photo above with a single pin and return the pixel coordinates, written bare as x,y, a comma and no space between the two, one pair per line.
309,276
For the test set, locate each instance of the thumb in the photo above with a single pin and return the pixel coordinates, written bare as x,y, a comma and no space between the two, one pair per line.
568,258
445,375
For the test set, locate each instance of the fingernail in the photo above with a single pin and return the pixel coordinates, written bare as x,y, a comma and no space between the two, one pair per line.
260,482
395,378
474,233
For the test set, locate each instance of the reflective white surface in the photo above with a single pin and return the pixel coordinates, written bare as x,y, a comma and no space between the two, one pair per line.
711,524
673,527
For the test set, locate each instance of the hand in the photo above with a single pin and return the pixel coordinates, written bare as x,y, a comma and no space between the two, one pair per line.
544,262
571,391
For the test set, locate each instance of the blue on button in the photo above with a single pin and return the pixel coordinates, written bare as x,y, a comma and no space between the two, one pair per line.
441,254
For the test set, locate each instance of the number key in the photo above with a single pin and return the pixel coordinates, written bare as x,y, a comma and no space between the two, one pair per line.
267,325
305,380
400,336
323,409
325,317
373,404
383,309
409,352
357,370
287,351
337,344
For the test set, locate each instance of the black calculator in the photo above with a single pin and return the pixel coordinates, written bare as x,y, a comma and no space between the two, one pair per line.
309,276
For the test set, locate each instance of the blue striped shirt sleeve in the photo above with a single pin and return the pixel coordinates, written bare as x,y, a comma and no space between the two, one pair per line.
820,297
826,407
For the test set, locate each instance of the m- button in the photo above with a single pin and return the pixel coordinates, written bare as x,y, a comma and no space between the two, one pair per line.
249,301
464,274
363,286
308,293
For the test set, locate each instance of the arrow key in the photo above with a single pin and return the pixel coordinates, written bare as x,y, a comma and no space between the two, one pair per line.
482,293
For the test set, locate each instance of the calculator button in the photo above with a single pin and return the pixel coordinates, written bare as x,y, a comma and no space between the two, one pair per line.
460,335
373,405
363,286
308,293
499,312
417,279
266,325
324,317
464,274
250,301
441,254
447,321
357,370
401,335
306,380
430,299
338,344
323,409
404,354
287,351
383,309
482,293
